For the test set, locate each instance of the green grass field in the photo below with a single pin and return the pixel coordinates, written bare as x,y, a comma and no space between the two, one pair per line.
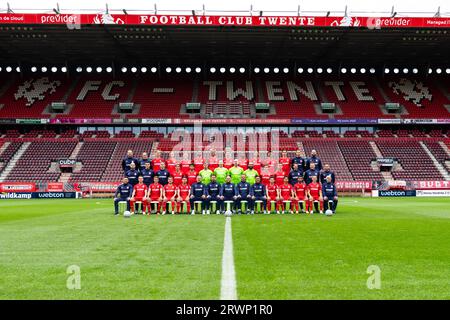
179,257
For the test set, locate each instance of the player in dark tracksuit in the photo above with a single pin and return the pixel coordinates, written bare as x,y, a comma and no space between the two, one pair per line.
132,175
295,174
147,173
327,172
314,159
307,176
227,193
329,193
123,193
213,194
198,194
258,193
163,174
144,160
126,162
243,193
299,160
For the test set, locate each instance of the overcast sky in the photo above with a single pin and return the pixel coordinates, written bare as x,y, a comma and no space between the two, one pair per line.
355,6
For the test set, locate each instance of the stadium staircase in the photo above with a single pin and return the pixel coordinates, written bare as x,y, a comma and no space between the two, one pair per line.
3,147
438,163
386,174
441,143
412,157
12,163
65,176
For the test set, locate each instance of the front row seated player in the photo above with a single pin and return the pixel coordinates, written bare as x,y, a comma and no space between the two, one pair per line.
139,194
227,193
170,196
301,197
258,193
315,196
330,196
184,195
156,194
271,193
212,192
198,194
123,193
243,194
286,193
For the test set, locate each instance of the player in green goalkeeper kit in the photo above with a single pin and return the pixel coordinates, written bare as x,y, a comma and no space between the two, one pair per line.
251,174
221,173
235,172
206,174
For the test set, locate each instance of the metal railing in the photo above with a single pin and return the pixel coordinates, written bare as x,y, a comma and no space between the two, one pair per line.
251,11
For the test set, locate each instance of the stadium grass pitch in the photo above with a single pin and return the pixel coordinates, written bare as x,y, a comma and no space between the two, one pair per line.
179,257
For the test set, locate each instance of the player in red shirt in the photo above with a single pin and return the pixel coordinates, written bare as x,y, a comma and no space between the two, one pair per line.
157,160
301,197
156,193
177,175
170,196
171,163
192,175
315,195
198,163
272,193
213,160
279,175
243,163
185,163
139,194
270,163
285,163
286,194
184,193
228,162
265,174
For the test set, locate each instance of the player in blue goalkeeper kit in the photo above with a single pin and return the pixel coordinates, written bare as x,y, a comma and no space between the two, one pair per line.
213,194
227,193
243,193
123,193
329,193
258,193
198,193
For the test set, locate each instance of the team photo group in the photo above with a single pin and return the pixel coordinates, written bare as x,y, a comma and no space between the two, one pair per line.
210,185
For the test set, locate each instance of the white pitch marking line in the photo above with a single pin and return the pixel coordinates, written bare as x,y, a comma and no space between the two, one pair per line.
228,283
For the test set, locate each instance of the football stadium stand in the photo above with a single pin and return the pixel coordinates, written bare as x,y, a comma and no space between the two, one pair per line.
167,97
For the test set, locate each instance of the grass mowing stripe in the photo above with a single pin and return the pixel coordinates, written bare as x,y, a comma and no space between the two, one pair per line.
228,283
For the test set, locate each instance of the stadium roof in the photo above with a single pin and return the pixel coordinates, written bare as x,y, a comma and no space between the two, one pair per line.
46,37
216,45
